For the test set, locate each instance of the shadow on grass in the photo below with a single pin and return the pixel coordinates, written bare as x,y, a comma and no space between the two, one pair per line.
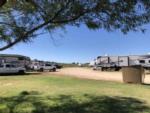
146,84
33,102
17,74
33,73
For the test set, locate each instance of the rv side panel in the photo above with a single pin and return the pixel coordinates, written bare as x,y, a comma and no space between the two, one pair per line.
104,60
123,61
114,60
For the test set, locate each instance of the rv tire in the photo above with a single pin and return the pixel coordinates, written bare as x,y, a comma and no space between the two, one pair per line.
41,69
21,72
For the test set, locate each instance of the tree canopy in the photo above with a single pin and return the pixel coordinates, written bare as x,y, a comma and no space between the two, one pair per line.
2,2
20,20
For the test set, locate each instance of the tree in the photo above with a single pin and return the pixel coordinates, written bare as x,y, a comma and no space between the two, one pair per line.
21,21
2,2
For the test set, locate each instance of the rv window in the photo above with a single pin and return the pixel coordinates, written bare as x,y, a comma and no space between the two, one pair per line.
142,61
1,65
20,58
149,61
121,61
7,65
12,65
47,64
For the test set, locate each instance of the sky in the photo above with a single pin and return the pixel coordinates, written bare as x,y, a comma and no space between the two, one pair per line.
83,45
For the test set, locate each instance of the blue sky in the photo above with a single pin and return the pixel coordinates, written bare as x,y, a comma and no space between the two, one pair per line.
83,45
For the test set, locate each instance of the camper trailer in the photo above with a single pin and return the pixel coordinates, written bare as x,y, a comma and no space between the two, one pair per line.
10,63
117,62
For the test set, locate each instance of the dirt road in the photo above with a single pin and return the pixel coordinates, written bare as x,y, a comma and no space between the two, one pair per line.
96,75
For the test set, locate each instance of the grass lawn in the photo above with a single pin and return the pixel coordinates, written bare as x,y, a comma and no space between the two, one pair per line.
57,94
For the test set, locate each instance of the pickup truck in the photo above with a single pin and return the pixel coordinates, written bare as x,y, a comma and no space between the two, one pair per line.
10,68
47,67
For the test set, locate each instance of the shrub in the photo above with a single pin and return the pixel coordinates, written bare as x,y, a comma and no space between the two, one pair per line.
24,107
4,108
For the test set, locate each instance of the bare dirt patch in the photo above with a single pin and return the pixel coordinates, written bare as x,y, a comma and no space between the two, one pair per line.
88,73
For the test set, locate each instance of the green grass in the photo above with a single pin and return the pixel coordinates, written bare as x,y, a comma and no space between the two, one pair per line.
57,94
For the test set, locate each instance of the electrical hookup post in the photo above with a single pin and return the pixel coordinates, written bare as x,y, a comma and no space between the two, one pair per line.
133,74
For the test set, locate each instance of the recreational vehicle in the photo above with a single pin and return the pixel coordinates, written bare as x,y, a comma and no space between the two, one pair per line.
17,60
10,63
117,62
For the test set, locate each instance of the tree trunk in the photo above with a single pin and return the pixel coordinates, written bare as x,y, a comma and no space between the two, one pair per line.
2,2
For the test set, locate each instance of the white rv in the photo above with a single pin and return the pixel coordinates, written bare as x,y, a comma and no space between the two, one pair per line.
117,62
18,60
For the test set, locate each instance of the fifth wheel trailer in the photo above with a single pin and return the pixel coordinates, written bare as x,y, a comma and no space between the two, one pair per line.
117,62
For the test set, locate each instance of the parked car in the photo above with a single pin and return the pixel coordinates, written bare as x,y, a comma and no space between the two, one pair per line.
48,67
10,68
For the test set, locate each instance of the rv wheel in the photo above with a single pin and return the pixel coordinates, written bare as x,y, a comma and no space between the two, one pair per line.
117,69
41,70
54,69
21,72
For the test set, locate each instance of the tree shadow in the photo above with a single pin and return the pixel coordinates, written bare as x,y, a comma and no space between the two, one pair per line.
33,102
33,73
146,84
17,74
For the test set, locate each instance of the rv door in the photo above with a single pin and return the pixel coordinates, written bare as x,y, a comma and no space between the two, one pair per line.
8,68
2,68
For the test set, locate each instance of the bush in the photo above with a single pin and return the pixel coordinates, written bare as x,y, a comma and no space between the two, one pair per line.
4,108
24,107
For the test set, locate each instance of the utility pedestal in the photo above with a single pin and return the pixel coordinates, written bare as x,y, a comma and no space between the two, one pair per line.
133,74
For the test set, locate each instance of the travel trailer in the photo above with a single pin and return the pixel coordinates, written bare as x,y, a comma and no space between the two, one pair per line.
117,62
